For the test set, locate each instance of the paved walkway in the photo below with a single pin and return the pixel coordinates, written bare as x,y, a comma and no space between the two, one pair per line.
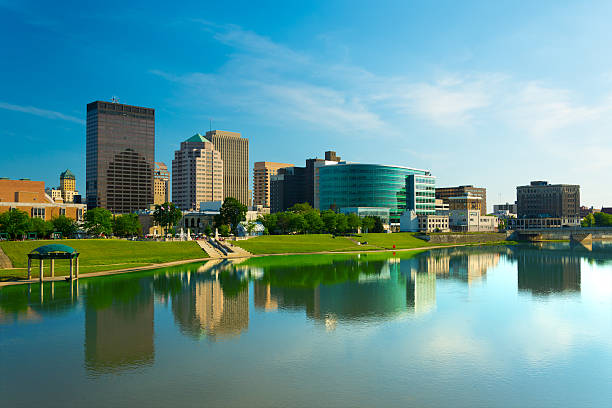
5,261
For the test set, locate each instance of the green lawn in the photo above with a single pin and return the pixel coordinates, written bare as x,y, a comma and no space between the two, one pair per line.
100,255
401,240
277,244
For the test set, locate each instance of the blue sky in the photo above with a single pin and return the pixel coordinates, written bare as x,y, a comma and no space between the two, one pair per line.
493,94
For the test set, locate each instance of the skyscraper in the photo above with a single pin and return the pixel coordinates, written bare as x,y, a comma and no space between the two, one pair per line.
262,171
197,173
234,151
160,183
120,156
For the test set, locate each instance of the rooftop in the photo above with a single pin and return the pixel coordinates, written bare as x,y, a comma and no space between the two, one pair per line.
67,174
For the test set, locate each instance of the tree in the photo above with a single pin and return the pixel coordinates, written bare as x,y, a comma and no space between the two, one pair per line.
367,223
602,219
41,227
329,220
232,212
99,221
314,223
341,223
269,222
208,230
588,221
15,223
378,225
297,223
65,225
167,215
127,225
354,222
224,230
301,208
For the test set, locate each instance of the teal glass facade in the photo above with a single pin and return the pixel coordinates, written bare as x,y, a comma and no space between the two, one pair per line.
421,194
367,185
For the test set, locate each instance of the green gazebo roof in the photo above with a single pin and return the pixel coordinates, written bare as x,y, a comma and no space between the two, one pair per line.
67,175
53,248
197,138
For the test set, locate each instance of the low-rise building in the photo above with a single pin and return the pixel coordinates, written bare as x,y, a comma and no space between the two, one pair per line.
30,196
472,221
410,221
433,223
499,208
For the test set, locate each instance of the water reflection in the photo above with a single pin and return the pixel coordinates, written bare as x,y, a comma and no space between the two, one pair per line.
547,272
119,326
211,301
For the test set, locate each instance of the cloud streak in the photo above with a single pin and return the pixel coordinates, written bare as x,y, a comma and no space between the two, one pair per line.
45,113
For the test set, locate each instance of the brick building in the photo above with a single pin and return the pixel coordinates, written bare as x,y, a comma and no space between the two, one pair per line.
29,196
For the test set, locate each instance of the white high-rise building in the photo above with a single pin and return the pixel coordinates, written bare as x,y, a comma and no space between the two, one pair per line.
197,173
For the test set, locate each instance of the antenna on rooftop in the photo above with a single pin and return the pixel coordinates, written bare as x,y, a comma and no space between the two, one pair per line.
114,99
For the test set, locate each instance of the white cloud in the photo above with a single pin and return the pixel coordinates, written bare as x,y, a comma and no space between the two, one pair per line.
41,112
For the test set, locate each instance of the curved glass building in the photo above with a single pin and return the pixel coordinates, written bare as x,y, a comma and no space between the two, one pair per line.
374,185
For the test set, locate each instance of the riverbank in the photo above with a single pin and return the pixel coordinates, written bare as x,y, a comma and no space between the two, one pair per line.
312,243
110,257
101,255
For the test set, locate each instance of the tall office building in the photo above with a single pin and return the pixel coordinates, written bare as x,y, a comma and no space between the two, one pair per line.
197,174
120,156
234,151
262,171
445,193
161,183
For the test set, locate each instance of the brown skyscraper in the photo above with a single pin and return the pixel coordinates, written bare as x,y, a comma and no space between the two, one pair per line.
235,155
261,181
120,156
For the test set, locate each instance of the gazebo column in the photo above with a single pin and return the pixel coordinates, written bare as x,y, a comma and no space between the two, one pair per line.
52,267
77,267
41,270
29,267
70,268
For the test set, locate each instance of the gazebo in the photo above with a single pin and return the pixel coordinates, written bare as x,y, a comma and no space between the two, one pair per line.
53,252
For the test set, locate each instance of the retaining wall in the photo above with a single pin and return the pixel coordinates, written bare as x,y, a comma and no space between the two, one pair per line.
465,238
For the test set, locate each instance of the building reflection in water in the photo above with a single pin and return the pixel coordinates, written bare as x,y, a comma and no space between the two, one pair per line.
119,326
213,303
544,272
357,289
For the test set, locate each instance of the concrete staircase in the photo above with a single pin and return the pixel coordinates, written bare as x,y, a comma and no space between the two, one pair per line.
214,253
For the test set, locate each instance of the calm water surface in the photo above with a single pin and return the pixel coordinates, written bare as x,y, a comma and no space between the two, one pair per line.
518,326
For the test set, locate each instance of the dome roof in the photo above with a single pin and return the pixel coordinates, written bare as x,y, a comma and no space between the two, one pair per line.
67,175
46,249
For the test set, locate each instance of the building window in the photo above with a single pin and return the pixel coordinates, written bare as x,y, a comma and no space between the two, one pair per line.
62,211
38,213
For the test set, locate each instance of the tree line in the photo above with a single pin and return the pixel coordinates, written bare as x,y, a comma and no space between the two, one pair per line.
303,219
597,219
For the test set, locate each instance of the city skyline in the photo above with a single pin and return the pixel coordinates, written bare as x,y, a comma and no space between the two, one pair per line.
495,111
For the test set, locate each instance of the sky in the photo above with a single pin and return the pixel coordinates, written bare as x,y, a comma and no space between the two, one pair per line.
493,94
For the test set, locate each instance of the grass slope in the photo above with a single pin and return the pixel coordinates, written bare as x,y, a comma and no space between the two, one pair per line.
278,244
100,255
